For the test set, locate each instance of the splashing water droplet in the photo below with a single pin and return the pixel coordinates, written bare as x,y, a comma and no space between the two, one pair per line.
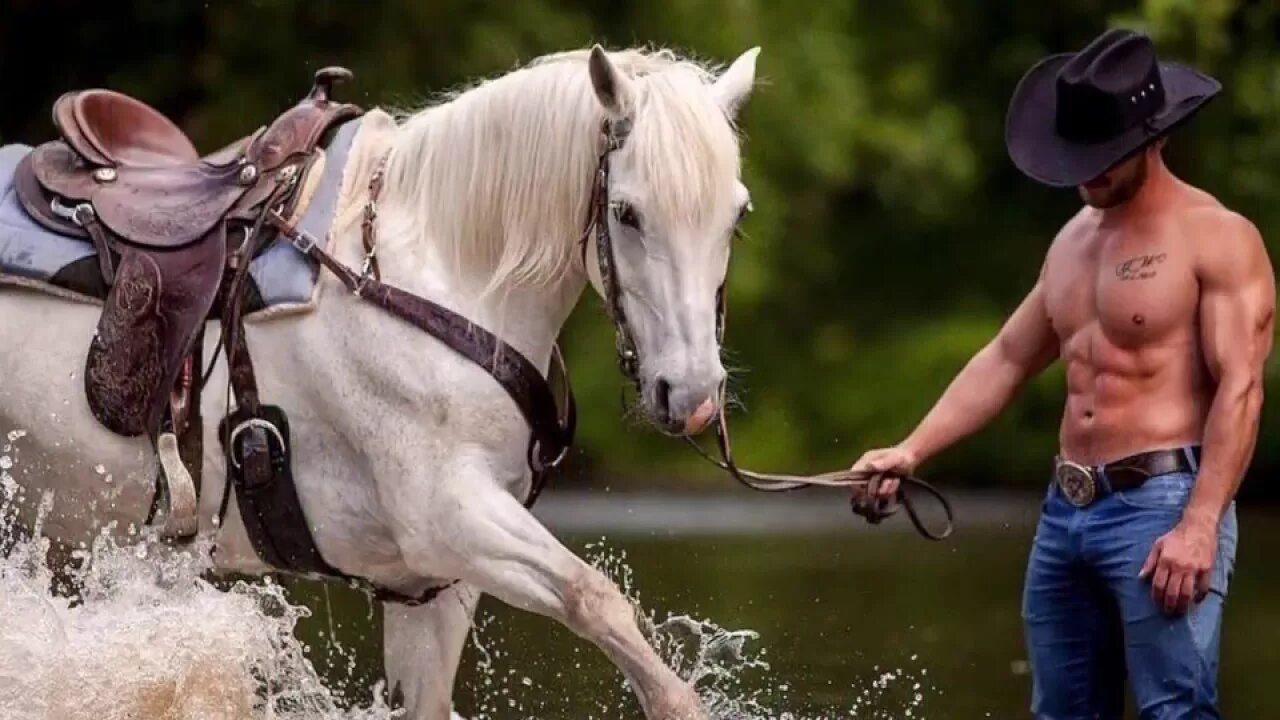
150,636
725,667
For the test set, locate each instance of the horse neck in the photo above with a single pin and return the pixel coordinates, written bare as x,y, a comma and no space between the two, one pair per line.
529,317
496,242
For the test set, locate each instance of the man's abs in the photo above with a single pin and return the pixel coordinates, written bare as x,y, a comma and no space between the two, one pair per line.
1125,305
1120,402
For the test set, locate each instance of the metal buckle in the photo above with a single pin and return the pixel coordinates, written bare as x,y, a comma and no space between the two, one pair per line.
535,457
252,422
78,214
1076,482
366,267
303,241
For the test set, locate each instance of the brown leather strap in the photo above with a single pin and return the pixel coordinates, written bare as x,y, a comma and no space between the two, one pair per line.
552,428
239,365
98,234
869,506
1130,472
567,419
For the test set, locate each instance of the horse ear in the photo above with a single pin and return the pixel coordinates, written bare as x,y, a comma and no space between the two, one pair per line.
733,87
613,89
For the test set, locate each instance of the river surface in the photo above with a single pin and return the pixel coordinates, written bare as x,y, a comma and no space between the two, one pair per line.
780,607
852,621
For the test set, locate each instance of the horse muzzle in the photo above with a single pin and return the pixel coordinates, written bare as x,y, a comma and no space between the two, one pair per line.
681,411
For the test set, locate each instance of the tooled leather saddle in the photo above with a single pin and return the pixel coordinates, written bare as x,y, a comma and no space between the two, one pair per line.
171,230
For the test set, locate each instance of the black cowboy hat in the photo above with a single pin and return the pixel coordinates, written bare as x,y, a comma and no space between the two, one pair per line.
1075,115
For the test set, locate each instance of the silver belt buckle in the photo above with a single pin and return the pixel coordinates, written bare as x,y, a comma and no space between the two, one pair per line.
1076,482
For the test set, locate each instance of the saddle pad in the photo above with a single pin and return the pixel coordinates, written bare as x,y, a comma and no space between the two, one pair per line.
283,275
34,256
27,249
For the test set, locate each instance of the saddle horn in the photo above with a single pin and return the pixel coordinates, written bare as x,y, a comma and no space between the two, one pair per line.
326,77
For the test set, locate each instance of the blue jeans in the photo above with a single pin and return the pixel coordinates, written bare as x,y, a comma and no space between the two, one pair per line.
1089,618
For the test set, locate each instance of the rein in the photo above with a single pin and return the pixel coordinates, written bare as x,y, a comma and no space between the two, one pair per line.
614,135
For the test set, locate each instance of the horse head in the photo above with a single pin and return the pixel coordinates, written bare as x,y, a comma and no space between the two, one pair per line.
667,202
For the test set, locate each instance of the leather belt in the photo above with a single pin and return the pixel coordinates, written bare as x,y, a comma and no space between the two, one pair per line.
1082,484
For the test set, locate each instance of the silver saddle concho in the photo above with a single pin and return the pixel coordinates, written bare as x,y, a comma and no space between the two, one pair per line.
1078,483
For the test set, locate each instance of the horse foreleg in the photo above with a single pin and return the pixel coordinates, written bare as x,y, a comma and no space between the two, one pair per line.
483,535
422,646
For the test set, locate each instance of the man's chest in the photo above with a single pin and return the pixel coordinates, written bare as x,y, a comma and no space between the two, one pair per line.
1135,290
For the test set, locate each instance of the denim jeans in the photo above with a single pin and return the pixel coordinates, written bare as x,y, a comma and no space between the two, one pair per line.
1091,622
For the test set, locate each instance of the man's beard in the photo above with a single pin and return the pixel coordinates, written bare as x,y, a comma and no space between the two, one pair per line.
1119,192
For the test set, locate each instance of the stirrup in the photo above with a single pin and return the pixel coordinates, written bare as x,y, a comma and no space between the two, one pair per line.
180,519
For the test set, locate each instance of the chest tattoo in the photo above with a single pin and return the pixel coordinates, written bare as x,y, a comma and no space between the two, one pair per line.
1139,267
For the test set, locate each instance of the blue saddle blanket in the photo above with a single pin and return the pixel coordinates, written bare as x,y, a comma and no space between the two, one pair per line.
281,274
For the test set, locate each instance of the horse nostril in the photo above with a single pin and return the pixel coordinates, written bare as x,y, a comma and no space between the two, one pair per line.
662,397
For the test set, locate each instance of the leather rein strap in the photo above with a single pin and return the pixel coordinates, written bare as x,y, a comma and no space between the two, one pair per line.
869,505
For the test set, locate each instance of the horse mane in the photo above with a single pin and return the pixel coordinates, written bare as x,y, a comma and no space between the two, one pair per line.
495,179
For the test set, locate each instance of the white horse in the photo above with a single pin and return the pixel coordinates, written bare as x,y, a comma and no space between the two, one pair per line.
410,460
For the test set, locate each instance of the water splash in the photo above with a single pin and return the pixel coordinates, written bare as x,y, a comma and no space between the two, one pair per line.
727,667
147,636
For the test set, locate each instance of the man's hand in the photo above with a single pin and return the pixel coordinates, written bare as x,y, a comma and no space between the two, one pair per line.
1180,564
886,466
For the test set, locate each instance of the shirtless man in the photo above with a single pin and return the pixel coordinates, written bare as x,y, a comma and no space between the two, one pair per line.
1159,302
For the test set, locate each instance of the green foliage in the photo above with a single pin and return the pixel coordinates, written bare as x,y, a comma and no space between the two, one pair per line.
891,236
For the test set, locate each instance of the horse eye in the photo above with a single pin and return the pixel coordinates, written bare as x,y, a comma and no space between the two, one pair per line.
626,215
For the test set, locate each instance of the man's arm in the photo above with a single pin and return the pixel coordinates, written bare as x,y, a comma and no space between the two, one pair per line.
1237,308
1025,346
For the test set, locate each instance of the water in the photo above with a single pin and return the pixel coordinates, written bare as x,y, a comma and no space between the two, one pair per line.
147,636
135,630
850,619
807,615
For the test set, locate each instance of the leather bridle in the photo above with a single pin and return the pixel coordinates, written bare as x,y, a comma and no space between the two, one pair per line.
614,134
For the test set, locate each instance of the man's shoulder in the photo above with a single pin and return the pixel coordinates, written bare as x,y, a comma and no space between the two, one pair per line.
1080,225
1215,228
1226,243
1199,212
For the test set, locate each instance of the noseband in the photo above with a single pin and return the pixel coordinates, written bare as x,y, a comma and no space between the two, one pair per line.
614,134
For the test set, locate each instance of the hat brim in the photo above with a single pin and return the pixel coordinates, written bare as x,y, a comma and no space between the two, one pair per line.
1041,153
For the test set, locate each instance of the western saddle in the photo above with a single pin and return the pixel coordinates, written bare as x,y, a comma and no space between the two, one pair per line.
174,234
